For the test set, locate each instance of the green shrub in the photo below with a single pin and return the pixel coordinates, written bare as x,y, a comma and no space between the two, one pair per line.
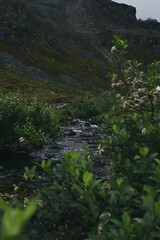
132,148
71,200
26,122
78,204
86,108
90,107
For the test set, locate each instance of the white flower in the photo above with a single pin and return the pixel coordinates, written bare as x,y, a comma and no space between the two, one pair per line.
21,139
158,88
129,69
113,49
101,151
137,80
135,94
120,82
118,95
137,220
25,202
142,98
125,103
128,80
40,204
141,101
142,90
114,78
99,146
136,105
143,131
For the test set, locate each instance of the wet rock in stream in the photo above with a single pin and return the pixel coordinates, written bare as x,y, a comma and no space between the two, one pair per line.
79,134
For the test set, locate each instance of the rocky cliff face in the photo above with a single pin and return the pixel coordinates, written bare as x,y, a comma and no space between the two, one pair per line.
66,43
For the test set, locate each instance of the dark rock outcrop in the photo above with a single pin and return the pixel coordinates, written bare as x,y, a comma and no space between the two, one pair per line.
152,24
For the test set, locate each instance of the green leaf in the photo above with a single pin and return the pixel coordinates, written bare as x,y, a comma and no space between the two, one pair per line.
43,164
158,169
148,203
150,191
157,207
50,161
137,157
117,222
14,220
87,177
120,181
116,128
27,170
76,173
126,219
134,116
33,169
106,117
144,152
147,219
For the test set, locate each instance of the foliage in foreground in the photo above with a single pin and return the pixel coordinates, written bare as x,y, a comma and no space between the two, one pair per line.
127,205
27,123
14,220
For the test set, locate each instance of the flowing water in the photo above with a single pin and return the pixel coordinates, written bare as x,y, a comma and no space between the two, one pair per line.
79,134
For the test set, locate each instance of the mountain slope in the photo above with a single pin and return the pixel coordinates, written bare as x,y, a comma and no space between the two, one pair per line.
61,48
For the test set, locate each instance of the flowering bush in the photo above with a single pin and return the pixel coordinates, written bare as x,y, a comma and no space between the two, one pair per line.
138,90
133,150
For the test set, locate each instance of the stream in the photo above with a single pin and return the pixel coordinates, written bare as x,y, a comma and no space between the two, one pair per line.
78,134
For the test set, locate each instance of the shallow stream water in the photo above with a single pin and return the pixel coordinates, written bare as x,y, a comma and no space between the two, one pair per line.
78,134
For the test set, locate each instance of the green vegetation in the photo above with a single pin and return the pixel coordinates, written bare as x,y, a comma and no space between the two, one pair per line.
27,123
90,107
14,220
126,206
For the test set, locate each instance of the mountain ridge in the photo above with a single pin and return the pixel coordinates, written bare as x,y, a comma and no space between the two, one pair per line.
66,44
